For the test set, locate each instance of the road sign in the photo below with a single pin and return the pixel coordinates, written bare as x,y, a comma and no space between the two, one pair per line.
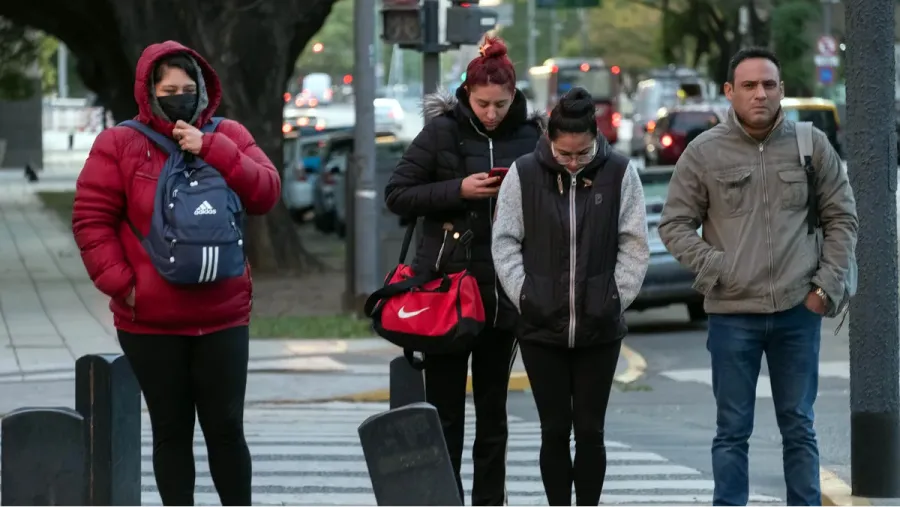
827,61
826,75
827,45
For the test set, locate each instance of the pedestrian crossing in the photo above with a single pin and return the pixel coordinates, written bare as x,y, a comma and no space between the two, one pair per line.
839,370
310,455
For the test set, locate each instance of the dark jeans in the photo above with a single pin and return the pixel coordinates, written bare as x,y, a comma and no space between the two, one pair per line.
445,388
181,374
790,341
571,388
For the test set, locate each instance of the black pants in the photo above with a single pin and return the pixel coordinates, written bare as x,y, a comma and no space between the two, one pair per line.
571,388
445,388
181,374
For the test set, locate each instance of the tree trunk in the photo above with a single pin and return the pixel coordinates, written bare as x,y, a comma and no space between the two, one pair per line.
252,44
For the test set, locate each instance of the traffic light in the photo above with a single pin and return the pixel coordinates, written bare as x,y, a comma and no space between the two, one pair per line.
402,23
466,23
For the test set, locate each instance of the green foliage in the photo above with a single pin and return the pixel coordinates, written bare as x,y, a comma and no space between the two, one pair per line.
336,35
793,45
625,32
22,52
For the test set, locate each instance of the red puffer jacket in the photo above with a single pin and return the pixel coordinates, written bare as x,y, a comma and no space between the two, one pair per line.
119,179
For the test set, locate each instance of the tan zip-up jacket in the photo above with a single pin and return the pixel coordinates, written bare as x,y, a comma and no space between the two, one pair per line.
755,255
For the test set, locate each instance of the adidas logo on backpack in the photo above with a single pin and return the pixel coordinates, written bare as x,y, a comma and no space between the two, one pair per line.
197,226
205,209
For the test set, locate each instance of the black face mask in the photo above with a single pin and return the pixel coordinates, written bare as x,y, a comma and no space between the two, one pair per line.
178,107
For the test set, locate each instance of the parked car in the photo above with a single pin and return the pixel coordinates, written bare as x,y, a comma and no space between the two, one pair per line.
666,140
389,115
329,194
667,282
302,167
822,113
665,88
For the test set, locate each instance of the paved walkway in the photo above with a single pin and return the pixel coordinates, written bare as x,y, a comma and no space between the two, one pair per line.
50,312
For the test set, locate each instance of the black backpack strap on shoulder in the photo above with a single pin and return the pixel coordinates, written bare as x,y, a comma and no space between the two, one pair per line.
805,148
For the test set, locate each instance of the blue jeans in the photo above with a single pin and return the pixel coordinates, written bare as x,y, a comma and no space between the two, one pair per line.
736,344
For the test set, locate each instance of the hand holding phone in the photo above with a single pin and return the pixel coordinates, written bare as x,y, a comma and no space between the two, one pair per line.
498,172
480,186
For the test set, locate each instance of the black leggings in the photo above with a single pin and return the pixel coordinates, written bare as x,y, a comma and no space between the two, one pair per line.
571,387
181,374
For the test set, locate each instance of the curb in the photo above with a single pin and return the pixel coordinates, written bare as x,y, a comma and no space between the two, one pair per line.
635,367
837,492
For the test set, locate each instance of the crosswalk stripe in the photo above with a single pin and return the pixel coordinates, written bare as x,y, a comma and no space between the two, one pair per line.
827,370
299,459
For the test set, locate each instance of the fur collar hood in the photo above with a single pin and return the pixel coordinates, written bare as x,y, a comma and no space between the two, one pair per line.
445,103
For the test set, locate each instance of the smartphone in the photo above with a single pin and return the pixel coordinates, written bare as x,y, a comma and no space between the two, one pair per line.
498,172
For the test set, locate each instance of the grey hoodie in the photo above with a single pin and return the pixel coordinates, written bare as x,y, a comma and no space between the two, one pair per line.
509,233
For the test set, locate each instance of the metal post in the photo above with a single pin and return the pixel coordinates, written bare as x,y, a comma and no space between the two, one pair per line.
554,33
874,323
532,34
62,70
361,194
827,24
585,38
431,52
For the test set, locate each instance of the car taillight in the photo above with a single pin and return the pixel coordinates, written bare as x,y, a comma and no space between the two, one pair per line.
328,94
666,141
616,120
286,128
651,126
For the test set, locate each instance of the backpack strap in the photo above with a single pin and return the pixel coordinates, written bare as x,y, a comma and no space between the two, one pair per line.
164,142
805,148
213,124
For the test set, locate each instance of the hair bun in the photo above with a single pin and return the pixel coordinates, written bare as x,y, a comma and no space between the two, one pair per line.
576,103
493,47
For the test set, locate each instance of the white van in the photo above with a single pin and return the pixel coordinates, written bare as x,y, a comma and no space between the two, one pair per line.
316,90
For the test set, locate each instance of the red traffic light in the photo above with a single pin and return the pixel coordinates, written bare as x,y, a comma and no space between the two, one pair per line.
348,79
615,69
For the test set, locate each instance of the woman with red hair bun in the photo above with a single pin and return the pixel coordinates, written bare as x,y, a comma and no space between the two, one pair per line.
444,178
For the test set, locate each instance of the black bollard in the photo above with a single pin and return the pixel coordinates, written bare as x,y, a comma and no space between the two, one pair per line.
108,397
407,383
42,455
407,457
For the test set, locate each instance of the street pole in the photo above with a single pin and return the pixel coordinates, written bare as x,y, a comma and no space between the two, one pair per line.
554,33
585,39
362,213
431,51
532,34
874,322
827,24
62,70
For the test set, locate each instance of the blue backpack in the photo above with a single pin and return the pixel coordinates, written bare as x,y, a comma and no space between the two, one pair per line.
196,230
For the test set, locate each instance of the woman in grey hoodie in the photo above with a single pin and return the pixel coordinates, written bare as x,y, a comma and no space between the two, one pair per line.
570,249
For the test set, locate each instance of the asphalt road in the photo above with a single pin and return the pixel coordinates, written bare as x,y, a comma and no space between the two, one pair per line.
670,410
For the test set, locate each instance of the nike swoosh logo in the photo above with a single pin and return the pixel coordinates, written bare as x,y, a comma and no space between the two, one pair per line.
403,314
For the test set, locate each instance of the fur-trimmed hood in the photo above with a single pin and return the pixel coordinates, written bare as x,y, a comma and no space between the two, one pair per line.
445,102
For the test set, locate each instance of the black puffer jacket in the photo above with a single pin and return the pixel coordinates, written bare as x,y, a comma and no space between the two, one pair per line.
452,145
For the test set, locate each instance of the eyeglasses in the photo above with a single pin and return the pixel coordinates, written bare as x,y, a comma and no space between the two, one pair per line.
579,159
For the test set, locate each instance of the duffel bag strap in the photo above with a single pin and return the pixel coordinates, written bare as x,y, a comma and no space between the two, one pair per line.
391,290
415,362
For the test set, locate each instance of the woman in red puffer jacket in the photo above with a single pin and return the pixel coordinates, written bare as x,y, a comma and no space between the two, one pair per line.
187,344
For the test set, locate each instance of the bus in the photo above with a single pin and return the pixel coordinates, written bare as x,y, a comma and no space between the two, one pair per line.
559,75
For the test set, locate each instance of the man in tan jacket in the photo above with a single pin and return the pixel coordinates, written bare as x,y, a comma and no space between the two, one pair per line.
772,260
